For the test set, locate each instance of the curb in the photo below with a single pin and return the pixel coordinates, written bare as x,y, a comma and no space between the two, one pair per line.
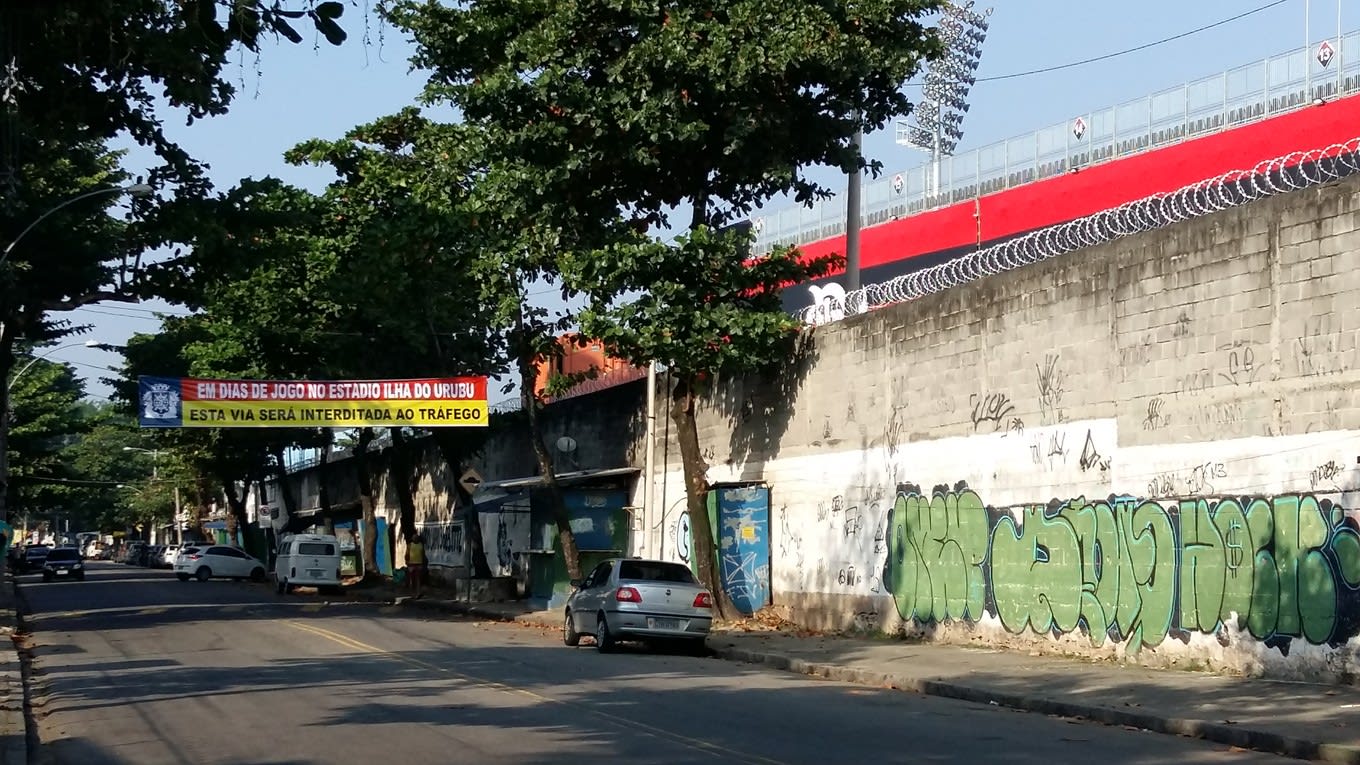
13,693
1232,735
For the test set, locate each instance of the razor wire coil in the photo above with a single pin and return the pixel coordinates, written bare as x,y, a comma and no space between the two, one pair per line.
1294,171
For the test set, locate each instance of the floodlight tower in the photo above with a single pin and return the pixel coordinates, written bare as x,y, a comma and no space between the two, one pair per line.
944,101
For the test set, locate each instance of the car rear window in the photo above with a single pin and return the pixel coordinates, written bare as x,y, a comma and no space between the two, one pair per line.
653,571
36,551
60,555
315,548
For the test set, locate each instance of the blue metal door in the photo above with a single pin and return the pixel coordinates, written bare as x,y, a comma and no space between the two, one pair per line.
744,545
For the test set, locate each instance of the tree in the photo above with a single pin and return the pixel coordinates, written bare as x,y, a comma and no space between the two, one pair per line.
643,109
707,314
82,74
46,418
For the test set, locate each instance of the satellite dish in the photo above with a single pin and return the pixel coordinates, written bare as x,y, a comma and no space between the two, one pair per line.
566,444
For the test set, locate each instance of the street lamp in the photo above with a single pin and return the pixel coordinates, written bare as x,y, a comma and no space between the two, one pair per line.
155,476
133,189
41,356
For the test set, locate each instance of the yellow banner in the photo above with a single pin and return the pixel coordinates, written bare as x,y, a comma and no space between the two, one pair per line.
333,414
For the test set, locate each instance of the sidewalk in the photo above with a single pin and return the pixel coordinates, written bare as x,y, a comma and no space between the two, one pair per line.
13,724
1303,720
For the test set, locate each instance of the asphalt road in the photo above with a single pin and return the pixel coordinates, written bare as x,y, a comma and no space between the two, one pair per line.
132,666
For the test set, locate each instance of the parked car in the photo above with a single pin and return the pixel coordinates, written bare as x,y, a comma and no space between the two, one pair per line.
635,599
133,553
34,557
310,560
63,563
204,563
167,557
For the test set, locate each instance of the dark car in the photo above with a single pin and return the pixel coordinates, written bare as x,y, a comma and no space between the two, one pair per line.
34,557
63,563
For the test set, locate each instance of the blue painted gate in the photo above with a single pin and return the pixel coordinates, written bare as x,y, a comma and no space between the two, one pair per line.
743,530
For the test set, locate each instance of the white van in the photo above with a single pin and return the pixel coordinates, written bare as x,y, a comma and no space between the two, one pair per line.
307,560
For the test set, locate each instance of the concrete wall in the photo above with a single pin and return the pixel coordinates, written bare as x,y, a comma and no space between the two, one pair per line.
1146,449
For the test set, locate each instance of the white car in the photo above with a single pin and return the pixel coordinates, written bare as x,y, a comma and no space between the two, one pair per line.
207,561
168,557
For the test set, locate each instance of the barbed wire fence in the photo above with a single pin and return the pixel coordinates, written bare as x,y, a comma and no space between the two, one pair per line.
1290,172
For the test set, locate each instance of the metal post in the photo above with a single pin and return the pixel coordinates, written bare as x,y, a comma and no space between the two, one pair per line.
852,214
179,521
649,460
935,165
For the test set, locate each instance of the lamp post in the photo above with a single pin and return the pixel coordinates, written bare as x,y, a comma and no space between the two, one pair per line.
133,189
155,476
41,356
6,359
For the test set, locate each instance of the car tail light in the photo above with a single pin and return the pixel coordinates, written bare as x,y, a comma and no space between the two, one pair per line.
627,595
195,556
703,600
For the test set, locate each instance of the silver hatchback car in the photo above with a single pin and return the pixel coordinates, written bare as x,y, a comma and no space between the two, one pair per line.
635,599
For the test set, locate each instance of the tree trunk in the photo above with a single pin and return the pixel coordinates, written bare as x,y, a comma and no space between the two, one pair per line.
280,471
528,374
444,438
369,530
323,492
400,472
696,493
236,504
202,500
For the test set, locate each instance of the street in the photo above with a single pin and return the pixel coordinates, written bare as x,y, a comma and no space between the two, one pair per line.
132,666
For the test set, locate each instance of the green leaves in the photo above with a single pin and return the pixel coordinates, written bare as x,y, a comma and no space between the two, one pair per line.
720,106
705,308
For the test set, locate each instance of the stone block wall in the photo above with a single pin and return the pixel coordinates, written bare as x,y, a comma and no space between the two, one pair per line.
1147,449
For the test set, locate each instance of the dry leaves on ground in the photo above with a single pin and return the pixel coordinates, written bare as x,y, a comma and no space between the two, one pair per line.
768,619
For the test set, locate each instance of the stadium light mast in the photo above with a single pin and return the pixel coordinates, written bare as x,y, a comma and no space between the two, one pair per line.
944,101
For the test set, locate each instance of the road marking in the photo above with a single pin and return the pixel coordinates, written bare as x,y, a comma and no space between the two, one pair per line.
629,724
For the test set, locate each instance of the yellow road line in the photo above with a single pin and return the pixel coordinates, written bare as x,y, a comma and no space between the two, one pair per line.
632,725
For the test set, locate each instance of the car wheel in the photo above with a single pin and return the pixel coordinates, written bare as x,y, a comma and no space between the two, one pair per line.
81,576
257,575
203,574
696,647
47,577
278,585
182,577
569,634
604,642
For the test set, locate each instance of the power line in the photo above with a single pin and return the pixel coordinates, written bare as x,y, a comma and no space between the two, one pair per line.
1126,51
132,313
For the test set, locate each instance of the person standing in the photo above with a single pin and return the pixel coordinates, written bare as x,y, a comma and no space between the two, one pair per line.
415,562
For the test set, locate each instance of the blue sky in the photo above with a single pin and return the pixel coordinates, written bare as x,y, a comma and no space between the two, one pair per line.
302,92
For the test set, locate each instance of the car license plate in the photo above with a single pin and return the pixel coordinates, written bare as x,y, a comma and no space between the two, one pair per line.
60,572
657,623
315,573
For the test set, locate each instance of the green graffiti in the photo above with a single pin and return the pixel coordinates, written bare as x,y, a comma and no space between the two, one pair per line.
936,548
1088,562
1282,568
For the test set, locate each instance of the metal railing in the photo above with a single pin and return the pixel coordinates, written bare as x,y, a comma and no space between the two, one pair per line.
1239,96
